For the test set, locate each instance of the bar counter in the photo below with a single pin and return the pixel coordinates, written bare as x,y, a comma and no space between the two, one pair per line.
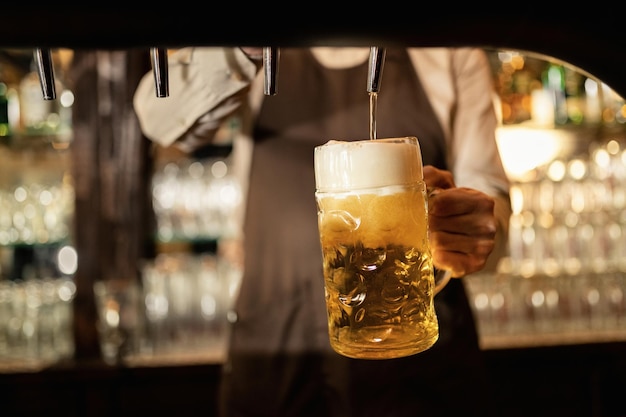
575,380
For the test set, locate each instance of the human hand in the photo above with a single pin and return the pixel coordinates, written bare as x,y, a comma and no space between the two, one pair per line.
462,224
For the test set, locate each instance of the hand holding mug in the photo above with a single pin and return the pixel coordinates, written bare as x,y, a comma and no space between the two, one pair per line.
462,224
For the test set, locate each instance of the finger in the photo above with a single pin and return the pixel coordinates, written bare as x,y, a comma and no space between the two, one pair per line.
473,225
438,178
459,201
460,254
479,246
456,263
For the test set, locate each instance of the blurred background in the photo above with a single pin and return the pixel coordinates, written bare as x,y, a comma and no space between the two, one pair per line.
562,138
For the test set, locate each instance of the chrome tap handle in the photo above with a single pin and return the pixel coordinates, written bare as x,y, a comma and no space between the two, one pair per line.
270,70
375,73
160,69
45,69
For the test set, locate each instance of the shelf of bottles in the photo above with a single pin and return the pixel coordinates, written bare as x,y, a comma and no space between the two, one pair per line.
37,260
563,143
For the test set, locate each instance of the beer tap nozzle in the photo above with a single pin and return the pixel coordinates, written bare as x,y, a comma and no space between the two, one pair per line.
270,69
45,69
376,64
160,69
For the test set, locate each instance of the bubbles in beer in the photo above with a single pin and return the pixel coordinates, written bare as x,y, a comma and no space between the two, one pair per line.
354,292
368,259
339,224
394,291
379,274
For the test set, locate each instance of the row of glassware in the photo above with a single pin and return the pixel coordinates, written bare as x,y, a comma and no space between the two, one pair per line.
571,218
584,304
182,307
196,200
36,318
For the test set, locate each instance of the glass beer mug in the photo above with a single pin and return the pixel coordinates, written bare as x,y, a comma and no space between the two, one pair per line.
379,276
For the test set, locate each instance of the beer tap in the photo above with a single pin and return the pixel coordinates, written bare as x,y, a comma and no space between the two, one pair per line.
45,69
270,70
374,76
376,64
160,69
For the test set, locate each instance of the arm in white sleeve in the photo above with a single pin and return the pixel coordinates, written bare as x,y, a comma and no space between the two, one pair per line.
477,161
460,86
475,155
206,86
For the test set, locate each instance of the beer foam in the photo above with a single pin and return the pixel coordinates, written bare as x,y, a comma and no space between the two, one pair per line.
345,165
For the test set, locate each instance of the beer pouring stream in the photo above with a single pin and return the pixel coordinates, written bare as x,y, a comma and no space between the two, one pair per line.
374,76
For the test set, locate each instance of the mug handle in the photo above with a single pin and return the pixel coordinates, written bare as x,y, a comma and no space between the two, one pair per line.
442,277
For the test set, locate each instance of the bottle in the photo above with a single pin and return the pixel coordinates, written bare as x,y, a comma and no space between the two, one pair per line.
5,128
553,79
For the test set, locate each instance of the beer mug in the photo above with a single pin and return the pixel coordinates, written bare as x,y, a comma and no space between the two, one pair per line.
379,277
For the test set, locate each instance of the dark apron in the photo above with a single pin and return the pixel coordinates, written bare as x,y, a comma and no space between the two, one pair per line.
280,362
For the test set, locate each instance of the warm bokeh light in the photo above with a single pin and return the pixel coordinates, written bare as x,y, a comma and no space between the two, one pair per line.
67,260
523,149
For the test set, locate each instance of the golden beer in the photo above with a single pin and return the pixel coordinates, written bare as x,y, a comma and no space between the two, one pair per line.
377,262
